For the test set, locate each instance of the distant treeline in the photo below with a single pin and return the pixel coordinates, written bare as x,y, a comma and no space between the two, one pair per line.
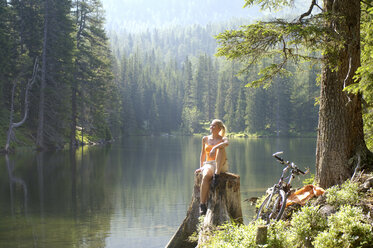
171,80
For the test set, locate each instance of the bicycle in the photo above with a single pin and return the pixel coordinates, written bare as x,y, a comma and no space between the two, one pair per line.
274,204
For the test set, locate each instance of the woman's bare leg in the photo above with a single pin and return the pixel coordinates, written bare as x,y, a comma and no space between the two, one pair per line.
220,158
205,184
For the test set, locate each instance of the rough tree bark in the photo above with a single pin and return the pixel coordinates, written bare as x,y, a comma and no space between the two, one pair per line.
12,124
340,142
224,205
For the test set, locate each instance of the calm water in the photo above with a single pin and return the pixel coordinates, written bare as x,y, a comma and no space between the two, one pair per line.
134,193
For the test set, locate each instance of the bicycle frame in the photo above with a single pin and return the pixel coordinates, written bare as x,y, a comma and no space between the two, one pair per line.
280,190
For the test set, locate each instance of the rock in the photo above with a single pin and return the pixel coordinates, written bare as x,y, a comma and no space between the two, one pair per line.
327,210
320,200
368,183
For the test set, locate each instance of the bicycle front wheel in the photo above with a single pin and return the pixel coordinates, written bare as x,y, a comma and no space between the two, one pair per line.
272,207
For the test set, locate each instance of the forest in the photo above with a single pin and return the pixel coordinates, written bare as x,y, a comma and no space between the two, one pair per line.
73,87
173,81
107,84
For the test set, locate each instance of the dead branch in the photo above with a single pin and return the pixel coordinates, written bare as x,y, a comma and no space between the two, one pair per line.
313,4
28,88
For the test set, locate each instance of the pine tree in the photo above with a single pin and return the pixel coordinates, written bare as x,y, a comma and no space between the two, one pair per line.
56,63
93,76
335,31
240,113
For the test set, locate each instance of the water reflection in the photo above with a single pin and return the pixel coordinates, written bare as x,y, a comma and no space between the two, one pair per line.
134,193
54,219
13,183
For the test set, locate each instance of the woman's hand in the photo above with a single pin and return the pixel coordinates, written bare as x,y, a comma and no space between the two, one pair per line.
212,152
198,170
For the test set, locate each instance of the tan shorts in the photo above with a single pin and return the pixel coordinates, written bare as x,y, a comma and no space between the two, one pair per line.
212,164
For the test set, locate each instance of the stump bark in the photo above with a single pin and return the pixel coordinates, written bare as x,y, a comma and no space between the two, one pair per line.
223,205
261,235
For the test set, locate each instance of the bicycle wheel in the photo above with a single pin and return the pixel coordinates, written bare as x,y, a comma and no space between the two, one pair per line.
272,207
263,212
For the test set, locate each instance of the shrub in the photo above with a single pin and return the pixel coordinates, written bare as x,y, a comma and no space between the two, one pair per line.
346,229
278,235
309,180
347,194
232,236
306,225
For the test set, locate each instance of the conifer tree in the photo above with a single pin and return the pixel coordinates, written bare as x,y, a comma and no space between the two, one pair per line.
56,63
93,77
336,31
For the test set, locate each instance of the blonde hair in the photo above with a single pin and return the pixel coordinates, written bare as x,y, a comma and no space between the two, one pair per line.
223,128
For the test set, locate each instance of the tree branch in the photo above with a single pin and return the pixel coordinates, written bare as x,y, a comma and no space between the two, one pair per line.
28,87
313,4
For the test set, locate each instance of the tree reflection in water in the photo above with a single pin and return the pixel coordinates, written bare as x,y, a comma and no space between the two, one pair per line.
133,193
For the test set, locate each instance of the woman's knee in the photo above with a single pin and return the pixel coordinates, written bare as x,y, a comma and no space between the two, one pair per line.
219,154
207,174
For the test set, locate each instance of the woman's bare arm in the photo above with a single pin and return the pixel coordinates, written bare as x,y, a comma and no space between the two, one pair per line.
202,157
221,145
203,152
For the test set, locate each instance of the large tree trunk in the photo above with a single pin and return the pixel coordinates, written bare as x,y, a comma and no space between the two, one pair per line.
340,130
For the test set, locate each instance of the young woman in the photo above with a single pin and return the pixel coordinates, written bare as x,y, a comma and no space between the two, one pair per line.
213,160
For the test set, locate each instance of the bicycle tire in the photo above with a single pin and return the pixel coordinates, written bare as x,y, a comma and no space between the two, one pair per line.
272,210
278,211
263,209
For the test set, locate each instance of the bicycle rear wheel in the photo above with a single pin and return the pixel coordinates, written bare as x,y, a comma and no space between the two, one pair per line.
272,207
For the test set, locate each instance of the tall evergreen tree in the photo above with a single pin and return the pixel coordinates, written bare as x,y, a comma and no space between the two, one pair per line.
93,77
220,94
240,113
56,64
257,110
303,97
336,31
8,54
364,84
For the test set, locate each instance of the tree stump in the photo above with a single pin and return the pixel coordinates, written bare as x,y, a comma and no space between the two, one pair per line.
261,235
223,205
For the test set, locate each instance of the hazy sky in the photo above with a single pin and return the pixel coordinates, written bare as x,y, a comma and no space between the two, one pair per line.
144,14
138,15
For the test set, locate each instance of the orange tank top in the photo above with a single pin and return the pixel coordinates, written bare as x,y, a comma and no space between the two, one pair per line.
208,148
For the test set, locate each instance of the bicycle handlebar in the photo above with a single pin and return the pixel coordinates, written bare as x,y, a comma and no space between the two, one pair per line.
276,155
302,172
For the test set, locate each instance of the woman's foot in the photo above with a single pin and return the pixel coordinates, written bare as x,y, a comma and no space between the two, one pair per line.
202,209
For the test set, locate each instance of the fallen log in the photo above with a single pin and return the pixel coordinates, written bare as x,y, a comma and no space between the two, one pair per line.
223,205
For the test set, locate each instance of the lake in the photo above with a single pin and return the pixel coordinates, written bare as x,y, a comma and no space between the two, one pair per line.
132,193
